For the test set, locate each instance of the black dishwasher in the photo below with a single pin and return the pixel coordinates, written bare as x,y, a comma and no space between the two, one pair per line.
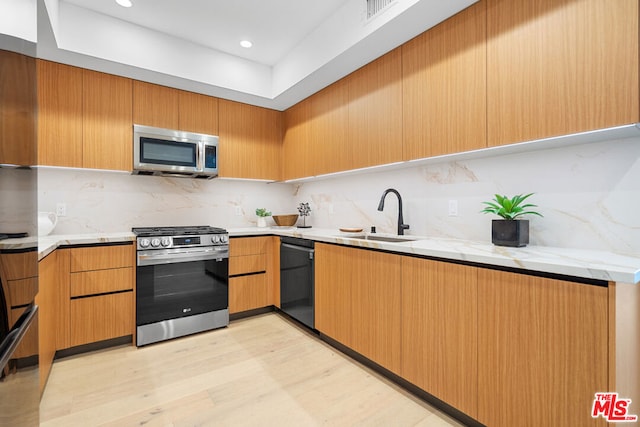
296,279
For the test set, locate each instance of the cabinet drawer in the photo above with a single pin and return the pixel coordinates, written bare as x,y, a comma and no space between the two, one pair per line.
102,257
100,318
248,292
247,264
19,265
248,246
101,281
22,292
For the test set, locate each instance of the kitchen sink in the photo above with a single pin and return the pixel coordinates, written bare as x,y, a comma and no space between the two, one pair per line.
394,239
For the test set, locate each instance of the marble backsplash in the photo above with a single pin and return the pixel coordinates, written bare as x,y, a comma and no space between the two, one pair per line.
589,196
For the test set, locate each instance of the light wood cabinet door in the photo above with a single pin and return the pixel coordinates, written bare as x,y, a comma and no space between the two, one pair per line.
101,317
107,122
375,306
333,276
542,350
198,113
439,330
47,302
375,111
444,87
298,161
249,292
102,257
18,108
560,67
155,105
329,125
250,141
59,114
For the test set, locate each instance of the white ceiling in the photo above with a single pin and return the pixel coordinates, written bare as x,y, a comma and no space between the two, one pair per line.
300,46
274,26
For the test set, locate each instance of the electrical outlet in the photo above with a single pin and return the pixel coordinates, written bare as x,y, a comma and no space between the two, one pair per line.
238,211
453,208
61,209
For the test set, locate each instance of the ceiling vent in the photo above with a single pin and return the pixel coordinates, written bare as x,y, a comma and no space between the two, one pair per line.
376,7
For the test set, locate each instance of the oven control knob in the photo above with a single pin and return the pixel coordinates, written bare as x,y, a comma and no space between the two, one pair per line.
144,243
165,241
155,243
215,239
224,239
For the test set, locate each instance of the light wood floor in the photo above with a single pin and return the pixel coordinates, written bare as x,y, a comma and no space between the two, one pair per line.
260,371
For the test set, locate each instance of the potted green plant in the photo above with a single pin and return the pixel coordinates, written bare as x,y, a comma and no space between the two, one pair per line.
262,214
511,230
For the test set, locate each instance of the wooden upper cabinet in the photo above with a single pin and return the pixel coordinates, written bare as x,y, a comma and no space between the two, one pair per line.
107,122
375,111
198,113
560,66
543,350
17,109
444,87
250,141
155,105
329,147
296,145
59,114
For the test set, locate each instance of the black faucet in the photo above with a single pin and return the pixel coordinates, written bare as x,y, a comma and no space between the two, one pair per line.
401,226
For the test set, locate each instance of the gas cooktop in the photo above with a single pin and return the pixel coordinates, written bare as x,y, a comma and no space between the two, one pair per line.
177,231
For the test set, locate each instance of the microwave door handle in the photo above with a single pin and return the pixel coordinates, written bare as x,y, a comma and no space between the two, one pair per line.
200,154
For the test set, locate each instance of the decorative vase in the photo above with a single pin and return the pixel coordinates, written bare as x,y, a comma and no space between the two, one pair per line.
262,221
510,232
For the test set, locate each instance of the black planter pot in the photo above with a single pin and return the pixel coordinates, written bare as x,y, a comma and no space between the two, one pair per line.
507,232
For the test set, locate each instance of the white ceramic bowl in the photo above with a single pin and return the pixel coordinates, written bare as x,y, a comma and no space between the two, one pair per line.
46,222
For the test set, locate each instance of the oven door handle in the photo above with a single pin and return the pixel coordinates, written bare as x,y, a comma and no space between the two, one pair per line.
169,256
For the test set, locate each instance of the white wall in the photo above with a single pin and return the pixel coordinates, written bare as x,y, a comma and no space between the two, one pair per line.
589,196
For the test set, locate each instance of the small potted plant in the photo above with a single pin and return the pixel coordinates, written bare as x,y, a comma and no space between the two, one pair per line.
262,214
511,230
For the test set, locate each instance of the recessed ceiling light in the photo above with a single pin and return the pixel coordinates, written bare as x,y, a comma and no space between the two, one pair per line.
246,43
124,3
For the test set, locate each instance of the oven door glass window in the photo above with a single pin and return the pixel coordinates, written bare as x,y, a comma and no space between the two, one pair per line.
170,291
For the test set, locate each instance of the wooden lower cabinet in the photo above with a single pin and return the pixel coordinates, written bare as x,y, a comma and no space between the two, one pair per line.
96,298
358,301
48,284
439,330
254,273
101,317
543,350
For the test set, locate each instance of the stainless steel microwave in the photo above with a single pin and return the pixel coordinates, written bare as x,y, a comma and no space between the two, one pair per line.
167,152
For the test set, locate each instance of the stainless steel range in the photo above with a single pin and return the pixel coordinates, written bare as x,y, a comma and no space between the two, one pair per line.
182,281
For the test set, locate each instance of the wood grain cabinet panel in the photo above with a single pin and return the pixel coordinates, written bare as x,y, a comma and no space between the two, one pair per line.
439,330
46,300
329,146
101,317
333,292
198,113
558,67
101,281
102,257
543,350
240,246
375,307
107,122
375,111
248,293
19,265
155,105
298,160
250,141
59,114
18,108
444,87
246,264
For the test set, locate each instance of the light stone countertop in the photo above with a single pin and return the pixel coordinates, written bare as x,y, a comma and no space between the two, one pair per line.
589,264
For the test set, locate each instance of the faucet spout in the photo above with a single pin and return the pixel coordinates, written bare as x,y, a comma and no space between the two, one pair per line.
401,225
